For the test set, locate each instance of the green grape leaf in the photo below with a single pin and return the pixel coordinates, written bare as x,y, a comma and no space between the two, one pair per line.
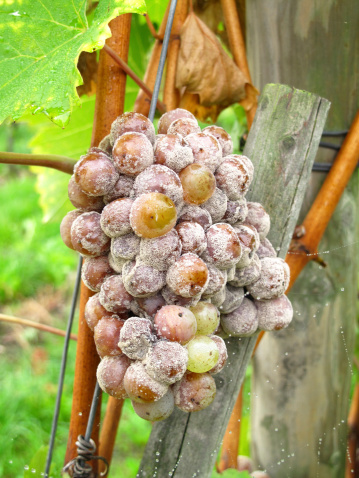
72,142
40,42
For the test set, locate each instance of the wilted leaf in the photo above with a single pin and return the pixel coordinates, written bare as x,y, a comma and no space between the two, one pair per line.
87,66
190,102
40,42
205,68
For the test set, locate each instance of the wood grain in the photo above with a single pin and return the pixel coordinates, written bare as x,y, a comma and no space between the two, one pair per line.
313,46
282,144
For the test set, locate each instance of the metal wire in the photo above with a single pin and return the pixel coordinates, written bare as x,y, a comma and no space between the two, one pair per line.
63,368
161,64
86,447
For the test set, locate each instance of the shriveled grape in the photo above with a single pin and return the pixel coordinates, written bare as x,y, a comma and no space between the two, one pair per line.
156,411
196,214
188,276
242,321
83,201
184,127
233,177
94,311
247,275
194,392
159,179
258,218
216,205
274,314
223,355
136,338
166,361
122,189
206,150
223,246
168,118
233,298
142,280
95,174
94,271
125,247
173,151
87,236
192,237
115,217
65,227
130,122
222,137
161,252
273,281
111,373
142,388
107,335
132,153
113,295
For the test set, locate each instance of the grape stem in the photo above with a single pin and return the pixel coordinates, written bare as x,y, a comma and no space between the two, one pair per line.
35,325
54,161
160,106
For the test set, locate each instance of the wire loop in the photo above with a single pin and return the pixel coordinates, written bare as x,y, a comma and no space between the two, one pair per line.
85,453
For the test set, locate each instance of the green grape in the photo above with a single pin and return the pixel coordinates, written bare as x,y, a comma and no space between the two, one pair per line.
207,317
203,354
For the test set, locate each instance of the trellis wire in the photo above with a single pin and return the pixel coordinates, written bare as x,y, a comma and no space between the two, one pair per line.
161,64
85,445
63,368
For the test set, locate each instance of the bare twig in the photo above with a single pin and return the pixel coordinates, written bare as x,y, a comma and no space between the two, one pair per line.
35,325
152,28
142,103
171,96
237,45
54,161
161,107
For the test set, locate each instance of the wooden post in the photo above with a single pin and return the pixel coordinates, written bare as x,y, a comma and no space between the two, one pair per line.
302,410
109,104
282,144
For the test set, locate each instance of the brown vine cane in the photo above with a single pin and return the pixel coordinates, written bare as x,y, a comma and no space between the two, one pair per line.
109,104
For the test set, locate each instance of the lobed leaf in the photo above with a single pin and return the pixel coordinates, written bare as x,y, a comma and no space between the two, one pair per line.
40,43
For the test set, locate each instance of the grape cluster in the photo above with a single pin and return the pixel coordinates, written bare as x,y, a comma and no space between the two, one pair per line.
176,256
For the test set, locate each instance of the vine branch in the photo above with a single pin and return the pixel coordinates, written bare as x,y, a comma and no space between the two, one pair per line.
160,106
53,161
35,325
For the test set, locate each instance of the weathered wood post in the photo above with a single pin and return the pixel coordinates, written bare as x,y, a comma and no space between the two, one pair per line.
299,415
282,144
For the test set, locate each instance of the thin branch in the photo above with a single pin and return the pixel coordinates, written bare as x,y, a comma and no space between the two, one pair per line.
171,94
54,161
142,103
161,107
35,325
237,45
152,28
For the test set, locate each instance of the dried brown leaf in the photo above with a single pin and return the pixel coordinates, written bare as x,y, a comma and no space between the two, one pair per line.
190,102
87,65
205,68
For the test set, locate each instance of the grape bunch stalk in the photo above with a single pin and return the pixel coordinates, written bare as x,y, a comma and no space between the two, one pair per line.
177,257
